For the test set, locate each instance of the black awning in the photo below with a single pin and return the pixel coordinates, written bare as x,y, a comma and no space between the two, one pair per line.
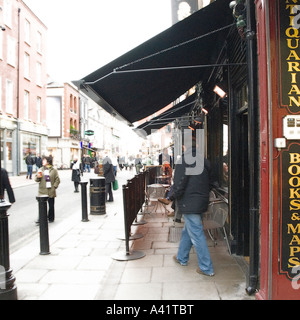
177,111
151,76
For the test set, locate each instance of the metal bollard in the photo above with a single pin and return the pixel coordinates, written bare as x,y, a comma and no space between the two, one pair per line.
8,289
84,202
44,233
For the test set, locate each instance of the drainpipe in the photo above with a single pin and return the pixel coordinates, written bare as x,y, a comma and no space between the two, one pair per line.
18,96
253,139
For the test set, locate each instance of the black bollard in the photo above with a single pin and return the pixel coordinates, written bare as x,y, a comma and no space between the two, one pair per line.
8,289
44,233
84,202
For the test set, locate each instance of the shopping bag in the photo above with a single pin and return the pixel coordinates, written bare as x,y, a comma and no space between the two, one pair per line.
115,185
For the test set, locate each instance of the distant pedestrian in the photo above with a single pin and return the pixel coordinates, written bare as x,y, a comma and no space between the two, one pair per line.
108,172
38,162
29,162
138,164
76,174
114,162
88,161
49,180
5,185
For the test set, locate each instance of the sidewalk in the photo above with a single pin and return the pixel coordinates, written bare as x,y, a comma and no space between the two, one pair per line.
80,266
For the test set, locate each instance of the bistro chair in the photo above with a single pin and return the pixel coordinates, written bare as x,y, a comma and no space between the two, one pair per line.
153,193
215,217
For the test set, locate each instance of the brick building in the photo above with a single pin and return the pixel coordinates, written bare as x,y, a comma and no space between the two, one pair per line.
22,84
63,119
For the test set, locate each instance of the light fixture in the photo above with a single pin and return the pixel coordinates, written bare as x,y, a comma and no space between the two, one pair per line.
204,111
220,90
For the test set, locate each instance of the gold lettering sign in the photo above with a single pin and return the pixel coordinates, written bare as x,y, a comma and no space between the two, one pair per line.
289,54
290,210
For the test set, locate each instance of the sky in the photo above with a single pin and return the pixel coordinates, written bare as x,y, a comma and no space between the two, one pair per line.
85,35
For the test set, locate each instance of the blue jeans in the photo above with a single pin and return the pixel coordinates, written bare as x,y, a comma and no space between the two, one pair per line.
29,170
193,234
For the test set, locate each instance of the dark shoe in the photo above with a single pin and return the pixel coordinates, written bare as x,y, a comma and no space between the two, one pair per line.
203,273
51,221
164,201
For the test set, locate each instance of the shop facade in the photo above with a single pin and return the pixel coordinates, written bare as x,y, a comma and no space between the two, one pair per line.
252,131
18,138
279,112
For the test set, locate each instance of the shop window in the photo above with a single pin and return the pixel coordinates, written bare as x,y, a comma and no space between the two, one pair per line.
29,143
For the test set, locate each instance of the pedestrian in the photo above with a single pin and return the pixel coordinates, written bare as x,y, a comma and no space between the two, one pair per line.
88,163
38,162
192,194
138,164
29,162
108,172
48,180
164,156
114,162
76,173
5,185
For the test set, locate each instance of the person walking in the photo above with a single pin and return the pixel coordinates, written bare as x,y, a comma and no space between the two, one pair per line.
48,180
76,174
38,162
88,163
192,194
5,185
29,162
138,164
108,172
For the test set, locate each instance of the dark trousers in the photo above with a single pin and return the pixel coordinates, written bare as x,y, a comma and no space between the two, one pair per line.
51,213
108,191
76,184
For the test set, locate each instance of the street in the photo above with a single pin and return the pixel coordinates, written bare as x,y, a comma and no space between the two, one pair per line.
24,212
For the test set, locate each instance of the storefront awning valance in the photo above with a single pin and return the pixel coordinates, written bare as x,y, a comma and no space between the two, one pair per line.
151,76
170,115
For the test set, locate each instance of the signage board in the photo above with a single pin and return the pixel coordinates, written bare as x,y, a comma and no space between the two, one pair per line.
289,54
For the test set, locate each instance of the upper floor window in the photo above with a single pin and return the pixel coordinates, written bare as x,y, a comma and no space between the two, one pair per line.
39,42
26,65
71,102
26,105
11,51
1,45
7,13
39,74
75,105
9,96
38,109
27,31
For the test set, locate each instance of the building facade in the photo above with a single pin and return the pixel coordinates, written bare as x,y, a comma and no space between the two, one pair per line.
63,121
23,38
